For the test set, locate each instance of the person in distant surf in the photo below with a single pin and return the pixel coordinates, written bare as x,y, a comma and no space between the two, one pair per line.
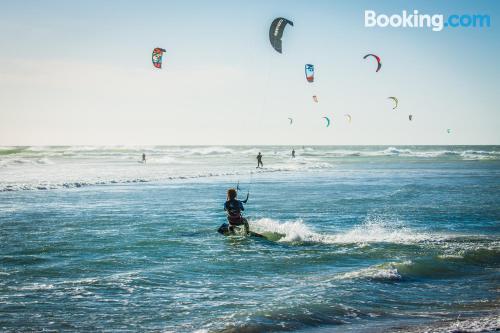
233,208
293,153
259,161
143,158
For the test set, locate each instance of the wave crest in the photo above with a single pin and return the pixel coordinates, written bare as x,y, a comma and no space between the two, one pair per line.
372,231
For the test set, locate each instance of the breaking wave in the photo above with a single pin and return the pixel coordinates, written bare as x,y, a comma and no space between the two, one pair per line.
44,168
461,152
9,187
372,231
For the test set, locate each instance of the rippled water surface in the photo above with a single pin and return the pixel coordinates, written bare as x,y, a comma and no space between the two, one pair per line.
356,238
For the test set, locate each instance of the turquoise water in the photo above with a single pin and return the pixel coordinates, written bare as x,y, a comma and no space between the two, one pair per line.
358,239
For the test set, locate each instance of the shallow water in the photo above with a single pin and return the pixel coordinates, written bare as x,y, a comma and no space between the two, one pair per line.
359,238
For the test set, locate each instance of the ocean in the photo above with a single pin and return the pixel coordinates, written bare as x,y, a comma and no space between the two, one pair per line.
358,239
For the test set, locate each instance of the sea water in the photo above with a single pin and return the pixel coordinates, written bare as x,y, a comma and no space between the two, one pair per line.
360,239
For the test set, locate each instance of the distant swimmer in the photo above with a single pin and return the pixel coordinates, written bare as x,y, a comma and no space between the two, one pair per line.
233,208
143,158
293,153
259,161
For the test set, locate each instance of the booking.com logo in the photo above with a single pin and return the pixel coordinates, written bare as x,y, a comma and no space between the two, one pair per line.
436,22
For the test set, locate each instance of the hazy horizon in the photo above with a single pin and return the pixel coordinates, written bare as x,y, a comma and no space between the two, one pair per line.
249,145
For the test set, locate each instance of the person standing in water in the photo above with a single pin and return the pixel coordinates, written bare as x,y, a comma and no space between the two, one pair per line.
143,158
259,161
233,208
293,153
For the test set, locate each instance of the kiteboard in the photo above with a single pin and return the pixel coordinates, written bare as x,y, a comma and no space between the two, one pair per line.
239,231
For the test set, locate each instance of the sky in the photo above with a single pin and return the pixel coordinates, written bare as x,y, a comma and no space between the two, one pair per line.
80,73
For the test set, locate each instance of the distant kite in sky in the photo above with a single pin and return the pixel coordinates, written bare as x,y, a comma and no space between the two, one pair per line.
315,98
276,32
309,69
410,116
327,121
157,57
349,118
379,64
395,102
291,120
448,130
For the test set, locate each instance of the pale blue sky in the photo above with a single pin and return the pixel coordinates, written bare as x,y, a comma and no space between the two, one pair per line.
80,73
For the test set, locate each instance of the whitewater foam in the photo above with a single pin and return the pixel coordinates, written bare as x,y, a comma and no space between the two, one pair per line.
387,272
371,231
46,168
378,230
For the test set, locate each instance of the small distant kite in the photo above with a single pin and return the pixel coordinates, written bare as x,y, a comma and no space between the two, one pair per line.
448,130
327,121
315,98
395,101
309,72
291,120
379,64
349,118
410,117
157,57
276,32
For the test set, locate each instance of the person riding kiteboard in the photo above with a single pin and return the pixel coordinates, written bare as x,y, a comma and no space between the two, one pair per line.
259,161
233,208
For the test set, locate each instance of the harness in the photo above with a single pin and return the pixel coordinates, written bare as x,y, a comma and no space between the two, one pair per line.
234,212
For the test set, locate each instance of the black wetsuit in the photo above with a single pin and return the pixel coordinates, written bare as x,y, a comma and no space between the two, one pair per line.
234,208
259,161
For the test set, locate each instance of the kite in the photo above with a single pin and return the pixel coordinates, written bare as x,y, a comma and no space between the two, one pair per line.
395,101
327,121
157,57
410,116
448,130
309,72
315,98
379,64
349,118
276,32
291,120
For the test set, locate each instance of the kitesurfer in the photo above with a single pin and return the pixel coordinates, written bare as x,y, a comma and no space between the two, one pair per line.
259,161
143,158
293,153
233,208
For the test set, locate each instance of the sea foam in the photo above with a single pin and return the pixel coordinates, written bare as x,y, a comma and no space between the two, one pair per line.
371,231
